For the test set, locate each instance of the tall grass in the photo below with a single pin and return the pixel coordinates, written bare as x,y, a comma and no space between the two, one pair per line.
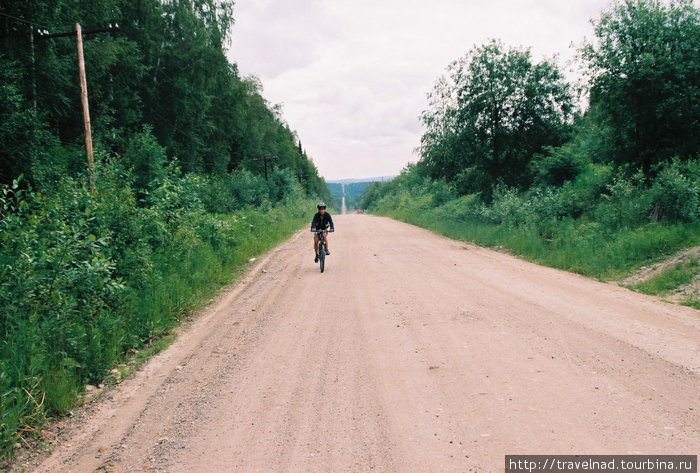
577,245
86,278
664,283
604,223
187,280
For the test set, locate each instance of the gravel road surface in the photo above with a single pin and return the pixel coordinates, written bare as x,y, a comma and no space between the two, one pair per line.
411,353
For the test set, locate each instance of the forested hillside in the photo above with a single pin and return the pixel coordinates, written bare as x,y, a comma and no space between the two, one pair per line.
162,69
351,190
194,173
507,160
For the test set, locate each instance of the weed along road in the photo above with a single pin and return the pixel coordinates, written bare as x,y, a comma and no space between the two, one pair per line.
411,353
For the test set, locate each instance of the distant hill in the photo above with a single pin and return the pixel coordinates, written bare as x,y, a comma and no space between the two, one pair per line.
351,189
368,179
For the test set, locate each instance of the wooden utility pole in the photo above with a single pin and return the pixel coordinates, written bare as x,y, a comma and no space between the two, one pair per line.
31,45
86,109
265,159
78,33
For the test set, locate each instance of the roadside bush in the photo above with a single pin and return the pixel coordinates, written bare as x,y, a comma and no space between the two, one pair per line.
557,166
147,161
236,190
52,161
675,192
84,278
58,286
473,180
373,194
673,196
464,208
509,207
283,185
439,190
599,224
627,203
580,196
176,197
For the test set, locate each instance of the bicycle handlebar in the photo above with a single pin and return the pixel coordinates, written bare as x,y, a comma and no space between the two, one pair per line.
317,230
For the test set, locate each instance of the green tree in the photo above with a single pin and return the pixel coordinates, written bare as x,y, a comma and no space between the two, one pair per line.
438,144
165,69
495,111
16,124
644,74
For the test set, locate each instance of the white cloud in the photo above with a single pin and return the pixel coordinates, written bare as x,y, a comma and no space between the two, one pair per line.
353,75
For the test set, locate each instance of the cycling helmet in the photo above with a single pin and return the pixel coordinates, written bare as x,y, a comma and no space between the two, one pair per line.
321,205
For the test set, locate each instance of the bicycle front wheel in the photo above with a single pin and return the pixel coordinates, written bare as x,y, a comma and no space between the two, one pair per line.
322,259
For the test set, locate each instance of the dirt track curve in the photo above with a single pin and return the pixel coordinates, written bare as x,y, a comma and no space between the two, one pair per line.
412,353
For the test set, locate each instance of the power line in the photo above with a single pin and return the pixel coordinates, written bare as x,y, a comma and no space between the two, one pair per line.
15,132
30,23
66,19
86,32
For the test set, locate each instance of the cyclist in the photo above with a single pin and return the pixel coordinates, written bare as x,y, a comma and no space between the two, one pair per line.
321,221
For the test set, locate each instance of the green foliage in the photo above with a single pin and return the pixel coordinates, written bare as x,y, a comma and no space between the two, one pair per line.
161,92
465,208
601,224
474,179
557,165
675,191
622,189
372,194
600,194
577,198
283,186
147,161
494,113
508,208
498,119
17,122
241,189
183,199
669,280
645,80
626,203
84,278
236,190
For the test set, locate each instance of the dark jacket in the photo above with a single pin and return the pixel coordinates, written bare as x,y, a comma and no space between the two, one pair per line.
322,221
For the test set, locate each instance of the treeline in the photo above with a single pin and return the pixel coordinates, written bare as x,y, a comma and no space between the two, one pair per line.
164,67
351,191
195,173
508,160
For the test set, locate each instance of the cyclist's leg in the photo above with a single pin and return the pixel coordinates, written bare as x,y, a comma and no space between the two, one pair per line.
315,245
325,240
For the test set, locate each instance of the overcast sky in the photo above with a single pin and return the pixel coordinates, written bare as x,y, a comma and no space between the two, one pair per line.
352,75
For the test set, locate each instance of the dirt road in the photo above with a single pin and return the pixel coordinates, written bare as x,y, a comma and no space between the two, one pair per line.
411,353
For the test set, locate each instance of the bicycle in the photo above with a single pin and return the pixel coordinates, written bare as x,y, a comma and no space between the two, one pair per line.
321,246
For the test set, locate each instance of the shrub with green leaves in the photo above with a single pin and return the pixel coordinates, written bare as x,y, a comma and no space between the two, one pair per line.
626,204
557,165
675,192
147,161
509,208
85,277
599,224
234,191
